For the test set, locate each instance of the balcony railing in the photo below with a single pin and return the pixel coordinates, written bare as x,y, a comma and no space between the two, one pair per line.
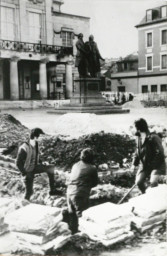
61,51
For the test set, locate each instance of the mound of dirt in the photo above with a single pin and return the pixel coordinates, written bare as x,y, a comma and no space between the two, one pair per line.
135,104
107,147
11,131
62,151
77,124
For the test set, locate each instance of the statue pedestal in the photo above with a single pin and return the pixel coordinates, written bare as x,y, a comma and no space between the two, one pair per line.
87,98
87,92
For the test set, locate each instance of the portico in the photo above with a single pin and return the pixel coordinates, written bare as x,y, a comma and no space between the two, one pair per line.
33,79
36,44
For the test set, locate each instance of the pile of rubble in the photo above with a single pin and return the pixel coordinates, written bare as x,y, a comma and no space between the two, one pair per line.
28,228
110,223
32,228
12,131
150,209
107,223
107,193
12,184
38,228
107,147
64,152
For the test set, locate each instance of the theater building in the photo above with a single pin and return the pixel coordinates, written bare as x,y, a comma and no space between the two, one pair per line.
37,49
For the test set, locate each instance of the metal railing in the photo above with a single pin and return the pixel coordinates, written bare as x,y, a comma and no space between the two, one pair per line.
153,99
152,96
35,47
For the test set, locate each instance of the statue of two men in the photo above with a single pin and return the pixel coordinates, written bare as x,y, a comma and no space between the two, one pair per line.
87,57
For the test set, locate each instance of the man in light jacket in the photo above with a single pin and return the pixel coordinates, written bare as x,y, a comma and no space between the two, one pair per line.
28,163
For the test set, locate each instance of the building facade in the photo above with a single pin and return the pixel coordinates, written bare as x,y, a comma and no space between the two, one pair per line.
125,74
37,49
147,72
152,49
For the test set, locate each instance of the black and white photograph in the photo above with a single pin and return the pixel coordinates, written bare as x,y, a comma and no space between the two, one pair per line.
83,127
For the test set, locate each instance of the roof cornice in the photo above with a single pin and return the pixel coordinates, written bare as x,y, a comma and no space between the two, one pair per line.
151,23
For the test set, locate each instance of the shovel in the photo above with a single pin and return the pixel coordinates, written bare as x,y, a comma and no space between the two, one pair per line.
127,194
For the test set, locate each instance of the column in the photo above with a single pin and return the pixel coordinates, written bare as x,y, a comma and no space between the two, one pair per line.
69,79
158,88
1,81
14,81
43,78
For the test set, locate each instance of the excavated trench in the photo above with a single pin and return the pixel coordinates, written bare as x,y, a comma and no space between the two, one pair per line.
113,149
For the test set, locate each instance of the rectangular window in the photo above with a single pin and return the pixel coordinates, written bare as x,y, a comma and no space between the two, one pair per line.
155,14
67,39
164,36
163,11
153,88
7,23
164,61
149,39
35,27
144,88
148,15
149,63
163,87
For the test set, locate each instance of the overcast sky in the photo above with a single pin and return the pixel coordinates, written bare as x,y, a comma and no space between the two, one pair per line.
113,22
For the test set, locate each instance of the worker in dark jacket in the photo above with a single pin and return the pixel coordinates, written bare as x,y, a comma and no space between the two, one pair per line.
150,154
28,163
82,178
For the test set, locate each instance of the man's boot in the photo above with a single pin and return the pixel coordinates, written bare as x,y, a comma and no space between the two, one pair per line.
73,223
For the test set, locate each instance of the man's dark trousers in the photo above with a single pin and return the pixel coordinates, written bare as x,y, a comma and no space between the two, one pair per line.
76,205
29,178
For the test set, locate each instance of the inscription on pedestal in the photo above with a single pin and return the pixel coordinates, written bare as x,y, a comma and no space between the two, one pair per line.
92,86
87,92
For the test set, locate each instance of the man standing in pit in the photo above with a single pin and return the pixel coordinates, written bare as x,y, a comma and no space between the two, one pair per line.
150,154
82,178
28,163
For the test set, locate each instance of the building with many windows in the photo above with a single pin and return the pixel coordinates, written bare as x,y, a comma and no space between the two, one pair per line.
147,71
152,49
37,45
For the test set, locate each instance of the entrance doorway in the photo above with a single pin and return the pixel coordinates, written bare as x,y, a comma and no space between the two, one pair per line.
29,80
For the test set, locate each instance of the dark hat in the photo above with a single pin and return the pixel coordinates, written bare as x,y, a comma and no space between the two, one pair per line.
36,132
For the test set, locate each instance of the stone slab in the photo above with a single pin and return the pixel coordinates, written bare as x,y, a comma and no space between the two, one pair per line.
33,219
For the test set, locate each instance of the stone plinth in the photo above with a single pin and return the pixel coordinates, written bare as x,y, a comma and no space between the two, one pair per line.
87,91
87,98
